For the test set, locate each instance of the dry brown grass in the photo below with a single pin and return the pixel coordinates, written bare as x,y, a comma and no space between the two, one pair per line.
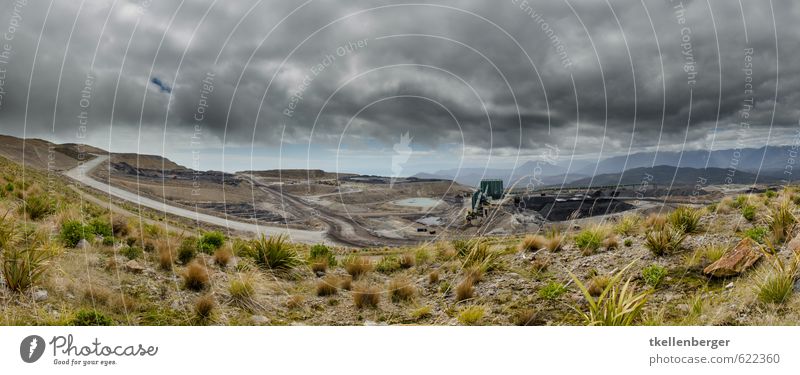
475,273
222,257
346,282
555,244
195,277
465,290
366,296
166,257
655,221
611,243
204,307
528,317
433,277
533,242
327,286
358,266
295,302
319,266
597,284
408,260
539,264
401,289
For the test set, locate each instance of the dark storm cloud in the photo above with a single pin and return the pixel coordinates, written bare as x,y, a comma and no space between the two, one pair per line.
442,71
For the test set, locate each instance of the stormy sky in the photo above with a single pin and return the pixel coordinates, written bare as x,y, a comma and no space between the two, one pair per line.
259,84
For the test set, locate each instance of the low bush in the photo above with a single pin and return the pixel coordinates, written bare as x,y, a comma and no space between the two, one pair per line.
748,212
210,242
90,318
552,290
388,264
653,275
758,234
120,227
590,239
100,227
320,252
73,232
131,252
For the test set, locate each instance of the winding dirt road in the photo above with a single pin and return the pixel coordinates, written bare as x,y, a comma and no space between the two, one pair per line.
81,174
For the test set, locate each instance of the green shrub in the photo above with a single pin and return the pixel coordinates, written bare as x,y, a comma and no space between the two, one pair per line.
274,253
758,234
770,194
653,275
748,212
131,252
686,219
589,240
664,240
187,250
740,201
108,241
321,252
90,318
73,232
628,242
552,290
388,264
210,242
100,227
9,187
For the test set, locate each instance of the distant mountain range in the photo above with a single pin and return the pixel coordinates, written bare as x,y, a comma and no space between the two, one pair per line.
737,166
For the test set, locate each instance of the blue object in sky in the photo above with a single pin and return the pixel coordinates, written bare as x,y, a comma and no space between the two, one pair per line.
162,86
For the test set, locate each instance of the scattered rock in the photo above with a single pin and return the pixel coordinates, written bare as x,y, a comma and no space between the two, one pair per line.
40,295
729,286
134,266
259,320
82,244
794,245
735,261
175,305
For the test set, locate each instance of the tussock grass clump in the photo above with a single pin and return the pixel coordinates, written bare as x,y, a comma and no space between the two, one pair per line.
36,206
685,219
319,266
653,275
408,260
422,255
611,243
357,266
204,308
475,273
274,253
465,289
346,282
665,240
222,257
539,264
655,221
479,255
533,242
421,313
295,302
120,227
365,296
555,239
706,255
781,220
617,305
241,289
433,277
628,225
327,286
195,277
471,315
527,317
597,284
165,258
552,290
590,239
776,284
401,289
